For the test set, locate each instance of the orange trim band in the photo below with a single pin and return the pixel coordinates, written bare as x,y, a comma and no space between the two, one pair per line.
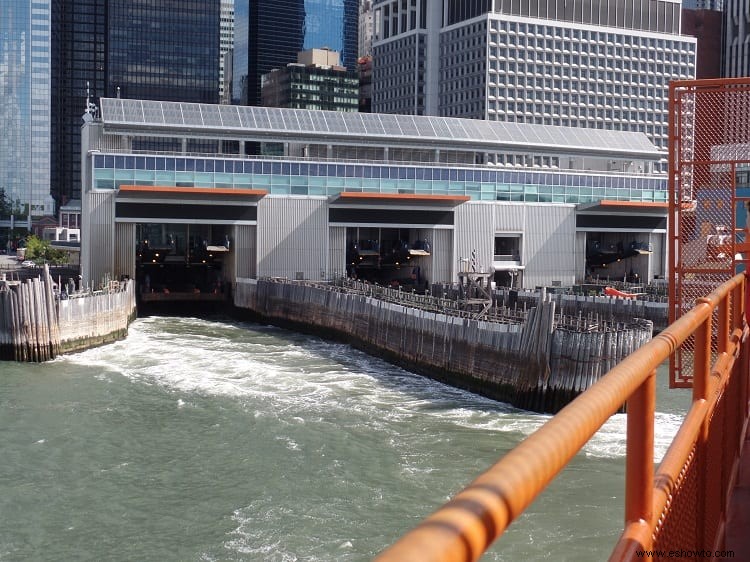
193,190
655,204
403,196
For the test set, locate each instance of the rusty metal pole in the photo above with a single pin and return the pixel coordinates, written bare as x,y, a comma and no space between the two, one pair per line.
639,475
701,374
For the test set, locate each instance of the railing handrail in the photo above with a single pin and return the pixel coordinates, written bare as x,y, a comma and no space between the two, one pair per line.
468,524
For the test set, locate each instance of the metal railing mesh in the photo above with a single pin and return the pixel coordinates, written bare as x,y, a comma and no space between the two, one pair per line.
709,191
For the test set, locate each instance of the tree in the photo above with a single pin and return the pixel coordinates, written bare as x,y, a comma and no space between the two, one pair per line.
42,251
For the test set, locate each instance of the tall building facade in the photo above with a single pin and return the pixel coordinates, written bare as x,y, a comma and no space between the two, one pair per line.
737,38
315,81
587,63
163,50
148,49
270,33
25,89
365,28
226,44
79,37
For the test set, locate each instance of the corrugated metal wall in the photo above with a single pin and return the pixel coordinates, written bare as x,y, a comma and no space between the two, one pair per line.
441,270
292,237
475,230
549,245
244,259
98,218
336,251
580,257
124,250
658,258
548,237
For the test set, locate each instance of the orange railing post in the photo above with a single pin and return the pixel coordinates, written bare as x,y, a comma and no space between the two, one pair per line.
639,466
682,505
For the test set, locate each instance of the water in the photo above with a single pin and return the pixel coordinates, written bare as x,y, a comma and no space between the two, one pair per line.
200,440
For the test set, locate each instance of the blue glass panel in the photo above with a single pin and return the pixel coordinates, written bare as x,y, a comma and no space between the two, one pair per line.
312,169
179,165
299,190
409,173
367,172
130,162
109,161
140,163
276,168
150,163
238,167
349,171
169,163
304,169
160,165
200,165
402,173
208,165
285,168
294,170
99,161
359,171
119,162
267,168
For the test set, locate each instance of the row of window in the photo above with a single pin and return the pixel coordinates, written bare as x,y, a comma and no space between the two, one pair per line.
244,171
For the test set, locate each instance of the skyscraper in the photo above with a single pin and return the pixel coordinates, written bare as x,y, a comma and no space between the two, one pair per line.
78,67
226,43
163,50
591,63
148,49
25,106
270,33
737,39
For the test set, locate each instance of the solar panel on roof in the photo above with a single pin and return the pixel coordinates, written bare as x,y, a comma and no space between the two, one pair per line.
390,124
335,122
441,128
290,119
305,121
172,113
275,120
247,118
372,124
262,120
114,111
230,116
132,112
423,127
408,127
355,124
211,116
319,122
191,114
152,112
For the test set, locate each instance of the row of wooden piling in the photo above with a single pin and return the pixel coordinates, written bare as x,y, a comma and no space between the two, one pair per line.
29,328
36,326
533,365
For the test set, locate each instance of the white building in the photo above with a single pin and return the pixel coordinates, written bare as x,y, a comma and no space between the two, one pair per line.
362,193
584,63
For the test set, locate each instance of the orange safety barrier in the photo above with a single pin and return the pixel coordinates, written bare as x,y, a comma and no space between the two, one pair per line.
681,506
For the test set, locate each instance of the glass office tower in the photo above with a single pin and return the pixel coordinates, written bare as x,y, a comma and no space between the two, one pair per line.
25,106
270,33
78,66
163,50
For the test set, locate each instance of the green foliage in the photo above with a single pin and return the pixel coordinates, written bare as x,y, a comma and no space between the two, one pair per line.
41,251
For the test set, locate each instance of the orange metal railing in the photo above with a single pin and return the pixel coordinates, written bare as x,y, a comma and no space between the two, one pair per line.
681,506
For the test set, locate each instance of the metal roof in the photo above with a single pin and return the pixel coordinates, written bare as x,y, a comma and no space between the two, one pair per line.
303,125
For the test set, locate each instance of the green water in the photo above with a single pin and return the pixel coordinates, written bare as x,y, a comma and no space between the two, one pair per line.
200,440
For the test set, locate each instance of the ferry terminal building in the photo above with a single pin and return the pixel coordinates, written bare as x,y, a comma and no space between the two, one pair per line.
171,198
